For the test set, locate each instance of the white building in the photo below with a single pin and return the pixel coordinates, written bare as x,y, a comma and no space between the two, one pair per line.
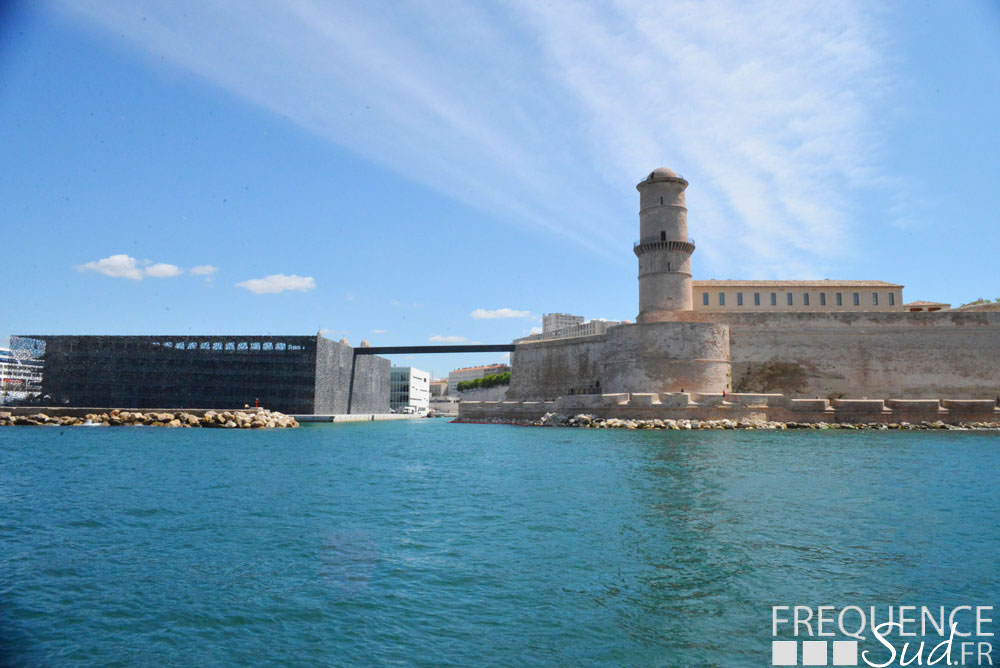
589,328
471,373
409,388
552,322
20,379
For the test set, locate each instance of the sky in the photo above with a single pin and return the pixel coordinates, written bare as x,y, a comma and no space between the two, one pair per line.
439,171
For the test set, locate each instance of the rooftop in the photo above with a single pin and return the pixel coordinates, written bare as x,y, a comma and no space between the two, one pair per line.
921,302
815,283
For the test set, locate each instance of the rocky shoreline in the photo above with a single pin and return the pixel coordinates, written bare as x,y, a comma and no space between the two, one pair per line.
257,418
586,421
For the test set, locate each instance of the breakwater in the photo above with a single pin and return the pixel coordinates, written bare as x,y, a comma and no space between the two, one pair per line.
251,418
755,409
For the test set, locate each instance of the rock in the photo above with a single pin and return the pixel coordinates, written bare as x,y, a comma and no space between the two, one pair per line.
174,423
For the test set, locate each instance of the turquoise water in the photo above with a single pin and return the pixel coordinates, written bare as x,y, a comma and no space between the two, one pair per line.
427,543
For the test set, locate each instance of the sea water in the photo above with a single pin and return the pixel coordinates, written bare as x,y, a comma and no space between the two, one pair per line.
428,543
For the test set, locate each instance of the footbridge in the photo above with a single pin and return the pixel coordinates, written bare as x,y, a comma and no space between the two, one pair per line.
418,350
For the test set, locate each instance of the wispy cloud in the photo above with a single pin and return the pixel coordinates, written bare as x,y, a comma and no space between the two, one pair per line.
162,270
203,270
380,331
438,338
546,114
126,266
276,283
486,314
115,266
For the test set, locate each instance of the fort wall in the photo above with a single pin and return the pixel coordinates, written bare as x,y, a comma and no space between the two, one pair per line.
913,355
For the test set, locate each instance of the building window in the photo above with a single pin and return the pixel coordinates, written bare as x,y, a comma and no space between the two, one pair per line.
774,299
892,299
663,235
875,299
840,299
822,299
790,301
805,298
704,298
756,299
739,299
857,299
722,299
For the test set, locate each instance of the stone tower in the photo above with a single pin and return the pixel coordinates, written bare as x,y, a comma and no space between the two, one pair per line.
664,249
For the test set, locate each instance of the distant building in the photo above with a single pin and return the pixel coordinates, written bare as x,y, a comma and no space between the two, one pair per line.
471,373
918,306
552,322
409,387
298,375
816,295
589,328
20,377
439,387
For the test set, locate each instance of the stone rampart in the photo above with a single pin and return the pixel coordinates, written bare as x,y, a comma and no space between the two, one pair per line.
913,355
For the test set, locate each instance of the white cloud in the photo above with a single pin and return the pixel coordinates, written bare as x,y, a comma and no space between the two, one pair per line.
380,331
437,338
276,283
484,314
546,114
203,270
115,266
163,270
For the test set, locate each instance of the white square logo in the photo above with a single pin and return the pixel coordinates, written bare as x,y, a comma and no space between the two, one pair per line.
813,652
845,652
784,652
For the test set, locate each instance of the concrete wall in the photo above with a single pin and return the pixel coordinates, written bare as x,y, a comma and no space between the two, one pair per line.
349,384
913,355
548,369
370,386
496,393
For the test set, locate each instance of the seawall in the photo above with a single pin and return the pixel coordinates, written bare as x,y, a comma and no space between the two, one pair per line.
744,406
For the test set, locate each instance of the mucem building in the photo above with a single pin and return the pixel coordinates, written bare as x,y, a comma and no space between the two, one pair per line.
297,375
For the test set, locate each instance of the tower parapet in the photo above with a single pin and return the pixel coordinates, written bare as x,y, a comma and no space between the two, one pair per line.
664,248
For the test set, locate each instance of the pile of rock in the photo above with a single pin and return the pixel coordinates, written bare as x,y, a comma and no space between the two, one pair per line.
592,422
257,418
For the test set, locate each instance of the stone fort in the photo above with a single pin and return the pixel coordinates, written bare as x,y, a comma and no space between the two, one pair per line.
816,339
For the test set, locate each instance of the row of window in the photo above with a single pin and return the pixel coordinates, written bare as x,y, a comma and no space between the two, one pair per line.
790,297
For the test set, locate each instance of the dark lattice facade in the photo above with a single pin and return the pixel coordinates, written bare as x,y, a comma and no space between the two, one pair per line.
291,374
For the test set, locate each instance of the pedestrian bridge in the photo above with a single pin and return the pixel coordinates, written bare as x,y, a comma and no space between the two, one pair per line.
417,350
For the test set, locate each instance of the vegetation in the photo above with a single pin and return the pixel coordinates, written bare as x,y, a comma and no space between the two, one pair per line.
979,301
485,381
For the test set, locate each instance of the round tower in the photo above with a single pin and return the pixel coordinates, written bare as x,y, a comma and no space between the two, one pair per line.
664,249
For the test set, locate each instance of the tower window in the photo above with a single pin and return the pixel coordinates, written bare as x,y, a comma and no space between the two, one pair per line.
892,299
840,299
739,299
875,299
857,299
822,299
722,299
704,298
791,300
663,235
661,200
756,299
805,298
774,299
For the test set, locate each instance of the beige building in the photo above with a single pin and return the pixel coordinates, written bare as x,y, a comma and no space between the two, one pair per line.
552,322
815,295
920,306
471,373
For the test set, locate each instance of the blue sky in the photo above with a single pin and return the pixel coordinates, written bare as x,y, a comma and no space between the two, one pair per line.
393,171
